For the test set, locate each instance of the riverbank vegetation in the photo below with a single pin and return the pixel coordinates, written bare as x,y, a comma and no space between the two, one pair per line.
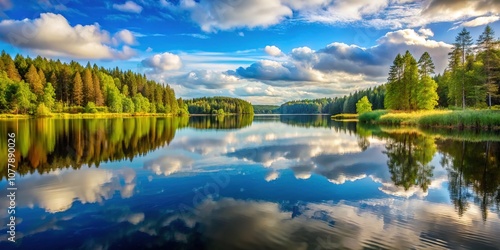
218,106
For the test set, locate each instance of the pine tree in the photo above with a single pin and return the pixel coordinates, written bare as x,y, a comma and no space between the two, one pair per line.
99,99
34,81
88,86
12,72
41,75
486,44
394,85
427,97
463,43
78,90
410,80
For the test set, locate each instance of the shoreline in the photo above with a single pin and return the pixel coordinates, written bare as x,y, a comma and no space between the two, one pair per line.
463,120
100,115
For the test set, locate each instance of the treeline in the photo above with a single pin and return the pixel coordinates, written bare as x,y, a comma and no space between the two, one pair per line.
28,86
218,105
347,104
333,106
265,109
307,106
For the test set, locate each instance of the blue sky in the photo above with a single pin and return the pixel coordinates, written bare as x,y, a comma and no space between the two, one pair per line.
264,51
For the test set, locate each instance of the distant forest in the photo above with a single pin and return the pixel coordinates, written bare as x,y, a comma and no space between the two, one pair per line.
337,105
219,105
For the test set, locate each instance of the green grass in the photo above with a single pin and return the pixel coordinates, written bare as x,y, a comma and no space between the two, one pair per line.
372,116
476,119
345,117
467,119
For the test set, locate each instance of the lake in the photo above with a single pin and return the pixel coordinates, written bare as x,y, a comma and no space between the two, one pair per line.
243,182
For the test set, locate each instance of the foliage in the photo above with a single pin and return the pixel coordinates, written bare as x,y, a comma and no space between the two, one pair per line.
73,85
363,105
210,105
90,108
371,117
43,111
265,109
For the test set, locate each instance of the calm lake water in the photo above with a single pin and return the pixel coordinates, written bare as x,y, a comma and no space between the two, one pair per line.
237,182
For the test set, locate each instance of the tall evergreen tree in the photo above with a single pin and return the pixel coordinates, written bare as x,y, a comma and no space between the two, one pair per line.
486,44
78,90
34,81
463,43
99,99
88,86
427,96
41,75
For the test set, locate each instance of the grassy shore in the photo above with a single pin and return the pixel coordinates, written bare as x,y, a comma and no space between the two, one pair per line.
466,119
345,117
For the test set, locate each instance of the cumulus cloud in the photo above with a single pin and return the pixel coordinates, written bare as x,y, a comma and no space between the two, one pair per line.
128,6
273,51
125,36
351,63
394,14
52,35
206,79
224,15
163,62
426,32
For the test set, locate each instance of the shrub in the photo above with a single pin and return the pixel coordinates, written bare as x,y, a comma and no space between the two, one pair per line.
90,108
372,116
43,111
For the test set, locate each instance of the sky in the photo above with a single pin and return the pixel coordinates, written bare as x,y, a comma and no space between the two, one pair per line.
263,51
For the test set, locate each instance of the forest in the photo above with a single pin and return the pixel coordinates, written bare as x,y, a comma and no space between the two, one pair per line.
41,86
218,105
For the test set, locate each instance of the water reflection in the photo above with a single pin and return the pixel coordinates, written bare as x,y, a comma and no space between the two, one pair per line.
294,182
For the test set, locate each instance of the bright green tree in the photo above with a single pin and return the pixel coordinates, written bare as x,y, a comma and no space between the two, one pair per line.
363,105
427,97
49,96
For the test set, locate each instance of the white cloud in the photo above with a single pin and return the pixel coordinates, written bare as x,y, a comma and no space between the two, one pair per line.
163,62
481,21
224,15
273,51
126,37
52,35
241,34
206,79
128,6
347,63
426,32
394,14
149,49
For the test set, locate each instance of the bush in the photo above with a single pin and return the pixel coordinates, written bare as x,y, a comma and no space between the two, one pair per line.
372,116
90,108
43,111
